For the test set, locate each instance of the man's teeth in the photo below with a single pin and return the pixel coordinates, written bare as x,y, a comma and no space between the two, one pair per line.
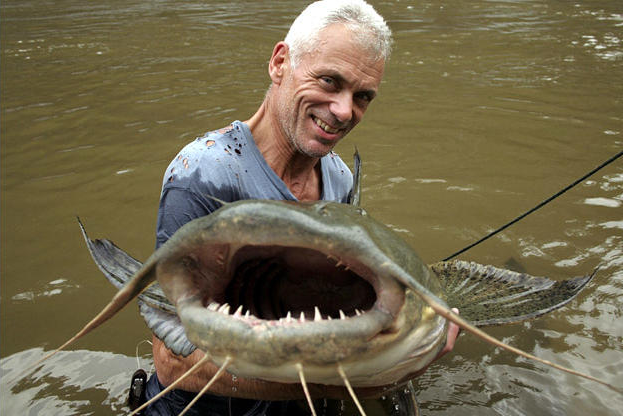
324,126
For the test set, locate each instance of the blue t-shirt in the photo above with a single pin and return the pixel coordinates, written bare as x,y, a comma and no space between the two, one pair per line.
226,164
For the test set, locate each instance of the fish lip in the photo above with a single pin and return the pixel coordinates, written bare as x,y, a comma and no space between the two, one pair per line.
271,342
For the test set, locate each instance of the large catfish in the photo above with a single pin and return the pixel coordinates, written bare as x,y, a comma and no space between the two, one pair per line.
314,293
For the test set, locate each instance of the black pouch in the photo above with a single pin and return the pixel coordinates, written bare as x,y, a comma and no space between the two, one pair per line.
138,386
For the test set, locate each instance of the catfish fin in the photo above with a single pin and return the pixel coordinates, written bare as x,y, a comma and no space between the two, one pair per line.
168,328
157,311
355,194
119,267
486,295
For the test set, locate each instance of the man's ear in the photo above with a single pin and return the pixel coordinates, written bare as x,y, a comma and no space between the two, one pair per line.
279,62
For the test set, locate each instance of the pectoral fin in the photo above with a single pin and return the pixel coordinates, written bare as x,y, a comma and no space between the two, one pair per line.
168,328
159,314
119,267
486,295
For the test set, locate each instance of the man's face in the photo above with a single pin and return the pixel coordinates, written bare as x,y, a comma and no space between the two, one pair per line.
325,96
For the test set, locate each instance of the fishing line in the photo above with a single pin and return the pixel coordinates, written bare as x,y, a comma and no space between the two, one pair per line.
138,362
551,198
138,383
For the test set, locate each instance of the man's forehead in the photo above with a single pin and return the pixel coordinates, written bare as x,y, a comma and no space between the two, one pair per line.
338,53
340,36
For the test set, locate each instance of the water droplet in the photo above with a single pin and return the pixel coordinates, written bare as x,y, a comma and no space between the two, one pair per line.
383,398
234,389
396,407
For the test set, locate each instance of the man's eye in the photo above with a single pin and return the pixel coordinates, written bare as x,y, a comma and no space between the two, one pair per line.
364,97
328,81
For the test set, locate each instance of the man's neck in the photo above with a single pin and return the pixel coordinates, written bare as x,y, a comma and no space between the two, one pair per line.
299,172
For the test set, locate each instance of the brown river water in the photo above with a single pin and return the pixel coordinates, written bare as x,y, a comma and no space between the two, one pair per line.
487,108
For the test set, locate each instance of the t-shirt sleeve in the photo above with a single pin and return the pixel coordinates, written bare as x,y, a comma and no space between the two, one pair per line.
196,174
177,207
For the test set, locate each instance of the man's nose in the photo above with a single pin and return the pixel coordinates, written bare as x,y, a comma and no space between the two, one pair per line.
342,107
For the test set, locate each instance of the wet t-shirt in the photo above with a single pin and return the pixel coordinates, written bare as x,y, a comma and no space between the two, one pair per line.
226,164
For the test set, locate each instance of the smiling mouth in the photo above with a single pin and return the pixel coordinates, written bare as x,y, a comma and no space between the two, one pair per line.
324,126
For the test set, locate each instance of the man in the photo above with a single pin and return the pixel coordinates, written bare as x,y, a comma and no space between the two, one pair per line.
323,77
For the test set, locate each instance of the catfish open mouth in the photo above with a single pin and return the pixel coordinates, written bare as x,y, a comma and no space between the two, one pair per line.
296,297
284,285
276,282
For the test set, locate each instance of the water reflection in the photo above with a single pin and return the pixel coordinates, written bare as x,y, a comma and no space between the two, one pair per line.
72,383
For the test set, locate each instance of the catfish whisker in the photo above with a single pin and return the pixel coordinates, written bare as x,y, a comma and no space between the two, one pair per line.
342,374
220,371
299,368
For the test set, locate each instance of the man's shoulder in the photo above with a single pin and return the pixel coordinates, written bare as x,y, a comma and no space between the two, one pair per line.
207,159
212,145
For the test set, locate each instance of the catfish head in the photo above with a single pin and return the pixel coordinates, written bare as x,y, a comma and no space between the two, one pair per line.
273,284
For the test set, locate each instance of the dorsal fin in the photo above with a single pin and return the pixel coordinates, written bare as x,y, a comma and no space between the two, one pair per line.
355,194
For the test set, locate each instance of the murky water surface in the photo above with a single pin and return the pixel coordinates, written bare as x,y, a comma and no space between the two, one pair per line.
487,108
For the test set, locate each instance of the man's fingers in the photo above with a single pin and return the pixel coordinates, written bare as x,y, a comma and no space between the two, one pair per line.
453,332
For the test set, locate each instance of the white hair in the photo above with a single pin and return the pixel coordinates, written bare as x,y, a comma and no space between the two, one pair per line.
368,27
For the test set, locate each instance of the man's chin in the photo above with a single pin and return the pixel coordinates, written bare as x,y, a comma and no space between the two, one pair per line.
316,148
316,151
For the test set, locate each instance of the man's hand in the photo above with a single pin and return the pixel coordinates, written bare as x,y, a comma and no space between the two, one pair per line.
453,333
